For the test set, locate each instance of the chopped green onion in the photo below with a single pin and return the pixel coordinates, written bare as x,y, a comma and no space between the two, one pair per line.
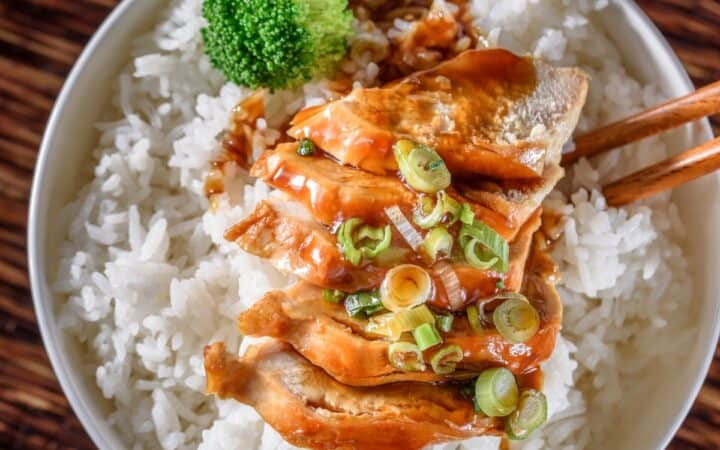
358,240
531,412
467,215
496,392
333,295
421,167
406,356
493,244
405,286
362,304
383,237
438,243
473,317
452,208
444,322
426,336
426,215
445,360
306,148
380,324
500,284
478,257
516,320
393,256
408,320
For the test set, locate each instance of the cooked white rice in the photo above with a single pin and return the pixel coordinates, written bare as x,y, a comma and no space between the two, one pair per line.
149,281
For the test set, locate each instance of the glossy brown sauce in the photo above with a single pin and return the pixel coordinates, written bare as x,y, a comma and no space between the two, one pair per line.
460,108
435,34
236,142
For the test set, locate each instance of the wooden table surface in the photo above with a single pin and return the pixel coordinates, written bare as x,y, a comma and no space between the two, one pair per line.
39,41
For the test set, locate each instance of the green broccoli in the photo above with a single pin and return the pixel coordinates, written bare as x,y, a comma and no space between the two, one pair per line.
275,43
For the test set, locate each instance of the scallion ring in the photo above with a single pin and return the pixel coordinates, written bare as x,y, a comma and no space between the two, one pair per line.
358,240
363,304
467,215
333,295
438,243
426,336
531,412
444,322
446,359
473,317
516,320
405,286
488,239
406,356
496,392
427,215
421,167
404,321
477,256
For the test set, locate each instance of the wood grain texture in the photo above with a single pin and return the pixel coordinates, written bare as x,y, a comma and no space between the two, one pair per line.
665,175
704,102
39,41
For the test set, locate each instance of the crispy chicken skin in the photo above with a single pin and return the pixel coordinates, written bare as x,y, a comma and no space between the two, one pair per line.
324,333
302,247
309,250
485,112
312,410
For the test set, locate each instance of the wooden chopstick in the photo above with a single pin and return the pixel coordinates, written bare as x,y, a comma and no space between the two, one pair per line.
703,102
667,174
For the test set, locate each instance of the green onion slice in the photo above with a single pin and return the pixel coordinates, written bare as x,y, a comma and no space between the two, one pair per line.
444,322
406,286
421,167
426,215
380,324
426,336
333,295
496,392
358,240
306,148
438,243
406,356
393,256
473,317
403,321
477,256
531,412
467,215
483,243
363,304
446,359
516,320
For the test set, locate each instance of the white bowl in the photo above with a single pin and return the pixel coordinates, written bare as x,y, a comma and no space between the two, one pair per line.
70,136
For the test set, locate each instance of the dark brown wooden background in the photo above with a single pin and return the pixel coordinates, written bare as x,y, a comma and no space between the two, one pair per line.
39,41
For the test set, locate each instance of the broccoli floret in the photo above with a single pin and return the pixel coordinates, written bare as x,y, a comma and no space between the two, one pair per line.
275,43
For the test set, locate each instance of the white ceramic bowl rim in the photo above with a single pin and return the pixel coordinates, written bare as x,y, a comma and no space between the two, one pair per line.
36,230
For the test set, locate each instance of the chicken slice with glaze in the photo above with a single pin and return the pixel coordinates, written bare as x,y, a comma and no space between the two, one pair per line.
312,410
348,350
485,112
296,244
333,193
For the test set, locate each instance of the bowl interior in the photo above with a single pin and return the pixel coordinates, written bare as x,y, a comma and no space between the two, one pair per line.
653,423
70,138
